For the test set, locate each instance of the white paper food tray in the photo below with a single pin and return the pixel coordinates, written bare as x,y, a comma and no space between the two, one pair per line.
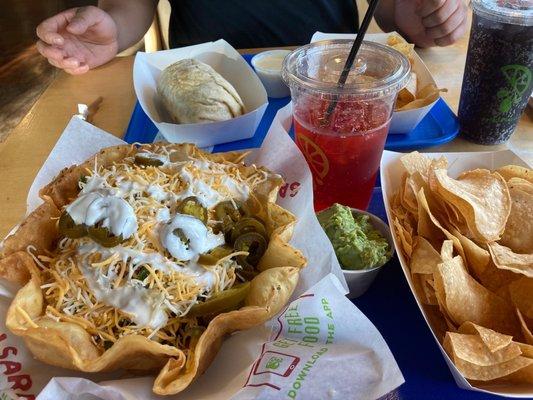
391,174
227,62
402,121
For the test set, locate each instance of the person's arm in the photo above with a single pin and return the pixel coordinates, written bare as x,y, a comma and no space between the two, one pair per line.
132,17
82,38
424,22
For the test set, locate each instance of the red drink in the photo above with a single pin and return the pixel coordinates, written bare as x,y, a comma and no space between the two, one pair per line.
343,150
345,159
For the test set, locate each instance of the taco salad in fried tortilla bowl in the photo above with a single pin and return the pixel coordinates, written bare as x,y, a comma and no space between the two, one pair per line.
144,257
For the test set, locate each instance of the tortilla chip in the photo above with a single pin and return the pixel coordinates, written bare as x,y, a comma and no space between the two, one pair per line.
480,196
436,320
405,96
395,38
65,186
521,292
493,340
482,372
38,230
528,335
472,348
398,43
399,104
477,258
423,287
526,349
515,171
417,287
467,300
453,219
416,162
520,184
522,376
430,227
446,251
408,195
481,266
408,93
424,258
279,253
404,238
518,234
428,289
15,267
428,91
504,258
424,97
496,279
419,103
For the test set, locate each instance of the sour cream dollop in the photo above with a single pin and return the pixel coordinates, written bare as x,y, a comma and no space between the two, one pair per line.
113,212
200,238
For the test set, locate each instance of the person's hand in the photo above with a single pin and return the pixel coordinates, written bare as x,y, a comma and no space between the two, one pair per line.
431,22
78,39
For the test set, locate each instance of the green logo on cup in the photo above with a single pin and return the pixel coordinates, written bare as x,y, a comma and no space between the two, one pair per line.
518,78
273,363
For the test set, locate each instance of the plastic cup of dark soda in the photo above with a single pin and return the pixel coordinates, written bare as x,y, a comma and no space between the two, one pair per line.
344,148
498,76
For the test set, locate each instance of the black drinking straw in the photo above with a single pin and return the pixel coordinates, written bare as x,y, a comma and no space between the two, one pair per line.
351,57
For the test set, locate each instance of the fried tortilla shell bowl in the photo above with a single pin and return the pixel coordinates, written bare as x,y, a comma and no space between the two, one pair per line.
69,345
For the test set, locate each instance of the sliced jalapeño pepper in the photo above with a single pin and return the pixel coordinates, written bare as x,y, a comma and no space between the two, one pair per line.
214,255
253,243
247,225
226,210
68,227
207,259
104,237
191,206
142,274
221,251
147,160
227,300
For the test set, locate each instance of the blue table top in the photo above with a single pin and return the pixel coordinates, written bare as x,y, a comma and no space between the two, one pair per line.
389,303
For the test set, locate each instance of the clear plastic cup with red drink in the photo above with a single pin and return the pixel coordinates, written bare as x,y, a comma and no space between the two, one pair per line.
343,143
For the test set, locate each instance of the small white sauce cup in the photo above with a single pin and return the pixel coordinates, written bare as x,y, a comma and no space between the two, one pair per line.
360,280
271,78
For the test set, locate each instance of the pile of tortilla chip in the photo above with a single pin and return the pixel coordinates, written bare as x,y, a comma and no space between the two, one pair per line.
412,96
468,242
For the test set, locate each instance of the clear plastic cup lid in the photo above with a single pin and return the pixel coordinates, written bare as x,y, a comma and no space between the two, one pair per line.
515,12
378,70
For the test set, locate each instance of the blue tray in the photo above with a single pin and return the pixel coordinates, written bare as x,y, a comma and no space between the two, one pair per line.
439,126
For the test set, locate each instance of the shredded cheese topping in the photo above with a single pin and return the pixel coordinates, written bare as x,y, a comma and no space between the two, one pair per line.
144,285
